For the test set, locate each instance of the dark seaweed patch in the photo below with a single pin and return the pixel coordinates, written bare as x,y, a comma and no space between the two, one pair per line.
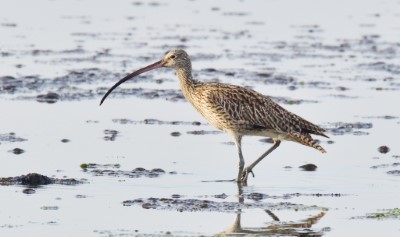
382,214
382,66
81,84
34,179
394,172
220,196
385,165
167,94
69,87
193,205
29,191
17,151
10,85
49,98
383,149
203,132
98,166
382,117
341,128
113,170
9,24
175,134
49,208
11,137
110,135
308,167
155,122
262,196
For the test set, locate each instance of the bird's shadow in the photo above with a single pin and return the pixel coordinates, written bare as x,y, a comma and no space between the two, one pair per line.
275,227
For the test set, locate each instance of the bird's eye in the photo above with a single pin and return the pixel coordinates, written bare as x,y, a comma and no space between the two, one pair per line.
172,56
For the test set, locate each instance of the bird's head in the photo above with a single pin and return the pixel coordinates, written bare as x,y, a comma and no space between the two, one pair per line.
176,58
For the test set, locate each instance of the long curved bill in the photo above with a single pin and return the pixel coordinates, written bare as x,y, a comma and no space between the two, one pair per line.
133,74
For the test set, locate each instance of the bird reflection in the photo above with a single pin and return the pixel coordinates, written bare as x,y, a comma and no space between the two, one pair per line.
276,227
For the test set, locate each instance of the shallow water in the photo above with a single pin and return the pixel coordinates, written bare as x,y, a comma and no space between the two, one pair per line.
336,64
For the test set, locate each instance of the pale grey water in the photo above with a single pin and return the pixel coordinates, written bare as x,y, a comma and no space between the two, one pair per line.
298,39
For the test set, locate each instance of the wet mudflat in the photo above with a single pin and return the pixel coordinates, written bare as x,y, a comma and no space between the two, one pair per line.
145,163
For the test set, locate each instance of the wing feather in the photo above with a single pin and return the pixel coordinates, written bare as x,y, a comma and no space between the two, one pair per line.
247,109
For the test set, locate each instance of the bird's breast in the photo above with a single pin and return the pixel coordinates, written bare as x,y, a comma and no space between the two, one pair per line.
213,118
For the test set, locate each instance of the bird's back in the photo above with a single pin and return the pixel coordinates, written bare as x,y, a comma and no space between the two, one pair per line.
246,112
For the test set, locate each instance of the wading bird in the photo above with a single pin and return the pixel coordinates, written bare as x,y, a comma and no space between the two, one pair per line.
235,110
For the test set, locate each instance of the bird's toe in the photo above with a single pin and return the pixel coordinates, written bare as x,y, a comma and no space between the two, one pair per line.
245,175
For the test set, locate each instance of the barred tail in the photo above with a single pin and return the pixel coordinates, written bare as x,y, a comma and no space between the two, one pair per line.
319,148
307,140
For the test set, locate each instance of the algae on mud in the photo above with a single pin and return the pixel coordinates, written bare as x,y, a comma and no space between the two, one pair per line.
34,179
393,213
113,170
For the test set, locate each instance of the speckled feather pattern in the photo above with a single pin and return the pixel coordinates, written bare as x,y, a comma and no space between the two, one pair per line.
243,111
248,112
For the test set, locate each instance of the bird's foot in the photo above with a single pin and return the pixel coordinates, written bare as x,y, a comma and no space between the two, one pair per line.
245,175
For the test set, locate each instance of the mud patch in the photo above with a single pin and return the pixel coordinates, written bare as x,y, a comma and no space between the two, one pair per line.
290,101
17,151
261,196
383,149
113,170
176,123
385,165
110,135
394,172
34,179
383,214
193,205
308,167
11,85
382,66
29,191
155,122
82,84
49,208
77,85
341,128
11,137
203,132
49,98
175,134
86,166
166,94
381,117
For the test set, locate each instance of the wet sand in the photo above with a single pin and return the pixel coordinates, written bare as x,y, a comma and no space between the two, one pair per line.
145,163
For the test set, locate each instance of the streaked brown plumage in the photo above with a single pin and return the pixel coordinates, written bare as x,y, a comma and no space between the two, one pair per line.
236,110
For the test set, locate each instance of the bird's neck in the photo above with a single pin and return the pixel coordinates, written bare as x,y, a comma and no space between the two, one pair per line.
186,81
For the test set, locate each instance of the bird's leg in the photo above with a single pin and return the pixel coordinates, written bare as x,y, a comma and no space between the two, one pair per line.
241,164
249,169
238,142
